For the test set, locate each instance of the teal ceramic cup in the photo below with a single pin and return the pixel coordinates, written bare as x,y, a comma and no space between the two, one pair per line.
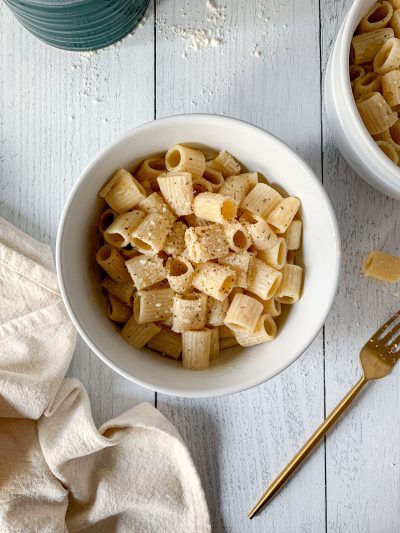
79,24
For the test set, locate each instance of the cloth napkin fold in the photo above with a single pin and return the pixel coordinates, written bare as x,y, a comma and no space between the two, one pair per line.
58,473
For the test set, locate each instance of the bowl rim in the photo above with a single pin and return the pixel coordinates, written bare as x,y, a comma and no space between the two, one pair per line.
221,390
384,169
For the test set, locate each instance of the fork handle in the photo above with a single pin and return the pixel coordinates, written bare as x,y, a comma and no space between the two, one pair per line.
308,446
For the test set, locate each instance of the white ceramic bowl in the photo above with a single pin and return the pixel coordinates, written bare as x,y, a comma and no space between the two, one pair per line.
233,371
348,130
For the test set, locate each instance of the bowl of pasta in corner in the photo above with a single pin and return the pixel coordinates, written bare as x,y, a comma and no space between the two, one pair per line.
198,255
362,95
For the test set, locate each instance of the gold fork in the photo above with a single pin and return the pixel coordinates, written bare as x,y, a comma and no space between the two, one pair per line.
378,356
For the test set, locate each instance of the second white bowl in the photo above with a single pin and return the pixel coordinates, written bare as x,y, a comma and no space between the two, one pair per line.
351,136
235,370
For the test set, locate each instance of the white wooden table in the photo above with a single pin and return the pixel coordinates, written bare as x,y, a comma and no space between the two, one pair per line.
58,108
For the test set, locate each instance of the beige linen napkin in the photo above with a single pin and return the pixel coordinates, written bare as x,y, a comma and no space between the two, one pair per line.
58,473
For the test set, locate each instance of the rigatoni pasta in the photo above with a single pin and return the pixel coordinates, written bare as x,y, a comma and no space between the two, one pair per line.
150,235
199,255
177,190
123,191
123,291
120,231
237,236
214,279
189,312
261,200
183,159
382,266
243,313
265,331
137,335
166,342
204,243
262,279
260,231
214,207
113,263
196,347
290,286
117,311
179,274
152,305
275,257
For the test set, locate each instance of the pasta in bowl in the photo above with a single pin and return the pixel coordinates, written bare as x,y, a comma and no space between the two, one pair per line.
197,263
208,246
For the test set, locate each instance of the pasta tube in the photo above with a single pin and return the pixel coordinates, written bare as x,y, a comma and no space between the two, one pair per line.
261,200
261,233
183,159
189,312
196,346
225,163
112,262
240,264
214,207
150,236
275,257
150,169
214,280
366,46
375,113
177,190
146,270
152,305
117,311
166,342
138,335
123,291
243,313
179,274
292,235
123,191
107,217
263,280
216,311
371,82
377,17
283,214
236,187
265,331
388,56
119,232
237,236
290,287
205,243
382,266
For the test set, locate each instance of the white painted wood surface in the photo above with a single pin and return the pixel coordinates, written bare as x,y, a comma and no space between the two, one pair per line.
57,109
